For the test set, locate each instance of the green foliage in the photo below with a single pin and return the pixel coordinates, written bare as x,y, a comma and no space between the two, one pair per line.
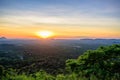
100,64
42,75
1,71
103,63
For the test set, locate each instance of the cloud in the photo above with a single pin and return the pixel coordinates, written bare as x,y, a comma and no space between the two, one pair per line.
84,15
26,19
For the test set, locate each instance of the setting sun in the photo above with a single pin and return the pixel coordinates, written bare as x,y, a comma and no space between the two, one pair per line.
45,34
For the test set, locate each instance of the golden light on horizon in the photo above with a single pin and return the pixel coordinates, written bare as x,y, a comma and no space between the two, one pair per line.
45,34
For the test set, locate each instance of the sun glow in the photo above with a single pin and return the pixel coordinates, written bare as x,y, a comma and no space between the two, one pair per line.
45,34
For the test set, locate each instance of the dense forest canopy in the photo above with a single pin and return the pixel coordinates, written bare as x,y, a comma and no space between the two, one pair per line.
100,64
49,55
103,62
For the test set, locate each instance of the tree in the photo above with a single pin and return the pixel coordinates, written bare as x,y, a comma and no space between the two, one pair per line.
1,71
103,62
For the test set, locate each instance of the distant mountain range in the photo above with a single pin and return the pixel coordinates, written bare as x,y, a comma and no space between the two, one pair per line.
3,38
67,39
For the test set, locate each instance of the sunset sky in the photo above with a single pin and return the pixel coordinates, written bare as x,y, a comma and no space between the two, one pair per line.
65,18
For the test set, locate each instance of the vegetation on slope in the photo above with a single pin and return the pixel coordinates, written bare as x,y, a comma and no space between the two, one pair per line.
103,63
100,64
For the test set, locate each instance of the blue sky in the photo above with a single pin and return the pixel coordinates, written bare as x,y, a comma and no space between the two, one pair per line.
105,8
